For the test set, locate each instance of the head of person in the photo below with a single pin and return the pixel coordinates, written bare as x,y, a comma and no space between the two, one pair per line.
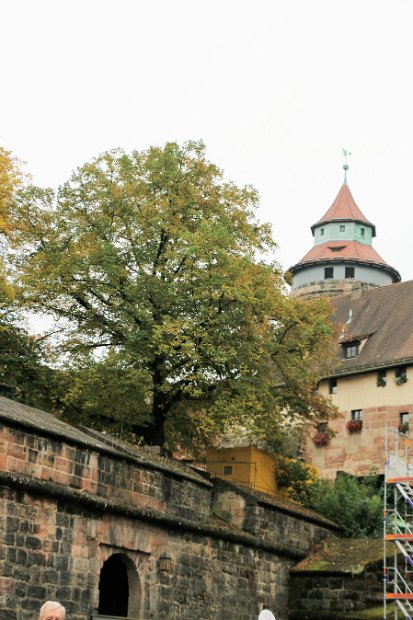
52,610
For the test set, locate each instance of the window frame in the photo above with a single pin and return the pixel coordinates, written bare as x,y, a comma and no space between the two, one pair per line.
357,415
332,386
382,377
327,271
351,349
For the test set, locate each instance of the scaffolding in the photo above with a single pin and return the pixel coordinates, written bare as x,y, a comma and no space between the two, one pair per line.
398,528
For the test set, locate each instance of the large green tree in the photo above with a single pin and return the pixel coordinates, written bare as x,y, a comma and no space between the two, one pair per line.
165,281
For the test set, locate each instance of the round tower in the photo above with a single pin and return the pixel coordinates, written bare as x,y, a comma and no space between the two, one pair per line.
342,257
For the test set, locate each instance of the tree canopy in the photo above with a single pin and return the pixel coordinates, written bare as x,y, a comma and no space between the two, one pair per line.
173,312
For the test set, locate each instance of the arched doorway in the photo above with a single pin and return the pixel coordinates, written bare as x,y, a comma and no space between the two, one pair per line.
114,587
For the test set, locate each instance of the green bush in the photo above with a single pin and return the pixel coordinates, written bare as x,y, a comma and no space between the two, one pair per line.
354,504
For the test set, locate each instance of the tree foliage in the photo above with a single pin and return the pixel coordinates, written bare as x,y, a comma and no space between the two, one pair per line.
354,504
10,179
173,311
24,374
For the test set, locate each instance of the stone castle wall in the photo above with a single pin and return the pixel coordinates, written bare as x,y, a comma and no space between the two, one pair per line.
70,501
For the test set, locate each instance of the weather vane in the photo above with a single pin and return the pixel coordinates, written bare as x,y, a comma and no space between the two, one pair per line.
345,165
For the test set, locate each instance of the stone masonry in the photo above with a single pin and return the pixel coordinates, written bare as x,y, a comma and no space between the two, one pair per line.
71,500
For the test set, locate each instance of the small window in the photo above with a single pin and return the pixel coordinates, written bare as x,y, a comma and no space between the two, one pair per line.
333,386
321,232
349,272
404,422
381,378
342,228
227,470
351,349
362,230
400,375
356,415
328,272
322,427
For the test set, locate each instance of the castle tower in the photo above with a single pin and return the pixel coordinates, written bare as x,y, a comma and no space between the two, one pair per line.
342,257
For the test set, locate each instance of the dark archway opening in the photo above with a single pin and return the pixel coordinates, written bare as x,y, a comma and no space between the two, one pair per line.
114,588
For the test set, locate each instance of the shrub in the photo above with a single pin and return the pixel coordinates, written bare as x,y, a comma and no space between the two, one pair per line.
355,505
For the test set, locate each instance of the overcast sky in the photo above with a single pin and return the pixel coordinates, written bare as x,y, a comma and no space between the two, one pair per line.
274,88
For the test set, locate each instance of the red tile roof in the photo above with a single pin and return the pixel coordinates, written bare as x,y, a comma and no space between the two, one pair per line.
344,208
342,250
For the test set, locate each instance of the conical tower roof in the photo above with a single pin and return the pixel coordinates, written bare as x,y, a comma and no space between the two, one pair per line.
344,209
342,256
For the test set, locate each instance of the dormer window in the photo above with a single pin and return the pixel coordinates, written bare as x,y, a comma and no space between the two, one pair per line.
351,349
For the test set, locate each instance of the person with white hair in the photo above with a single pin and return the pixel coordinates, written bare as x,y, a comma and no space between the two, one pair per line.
266,614
52,610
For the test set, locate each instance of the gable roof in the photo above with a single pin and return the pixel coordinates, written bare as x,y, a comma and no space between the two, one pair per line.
344,208
381,316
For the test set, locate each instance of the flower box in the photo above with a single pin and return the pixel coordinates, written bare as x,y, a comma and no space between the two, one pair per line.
354,426
321,439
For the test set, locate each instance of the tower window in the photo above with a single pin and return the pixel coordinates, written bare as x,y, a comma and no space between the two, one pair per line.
362,230
328,272
342,228
349,273
321,232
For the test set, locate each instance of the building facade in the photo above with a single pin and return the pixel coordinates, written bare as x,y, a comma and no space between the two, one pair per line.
371,383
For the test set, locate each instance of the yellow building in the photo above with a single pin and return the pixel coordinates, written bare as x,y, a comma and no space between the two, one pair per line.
243,464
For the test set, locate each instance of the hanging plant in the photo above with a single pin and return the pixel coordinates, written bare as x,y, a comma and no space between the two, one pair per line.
400,379
321,438
403,427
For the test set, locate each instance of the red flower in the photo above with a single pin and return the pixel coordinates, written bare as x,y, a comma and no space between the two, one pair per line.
321,439
354,426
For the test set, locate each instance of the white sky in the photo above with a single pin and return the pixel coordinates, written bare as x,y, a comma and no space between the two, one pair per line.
274,88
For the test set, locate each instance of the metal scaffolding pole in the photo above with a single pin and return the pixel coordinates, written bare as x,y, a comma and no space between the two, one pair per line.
398,527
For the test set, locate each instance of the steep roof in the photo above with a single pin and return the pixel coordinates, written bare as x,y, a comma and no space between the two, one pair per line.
344,208
382,317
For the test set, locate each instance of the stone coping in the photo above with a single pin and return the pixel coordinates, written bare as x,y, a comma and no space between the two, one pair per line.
46,424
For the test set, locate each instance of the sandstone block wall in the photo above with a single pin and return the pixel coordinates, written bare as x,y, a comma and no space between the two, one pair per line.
69,503
325,595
